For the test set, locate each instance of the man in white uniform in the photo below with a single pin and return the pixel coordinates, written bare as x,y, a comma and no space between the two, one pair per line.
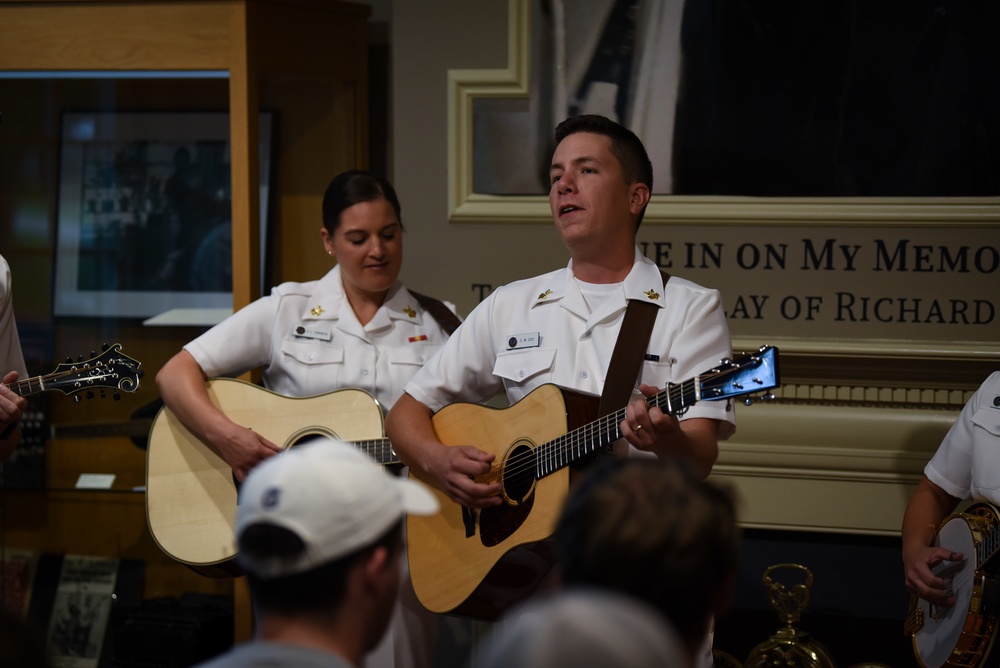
965,466
561,327
11,366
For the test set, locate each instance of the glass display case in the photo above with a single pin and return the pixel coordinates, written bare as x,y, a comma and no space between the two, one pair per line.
156,159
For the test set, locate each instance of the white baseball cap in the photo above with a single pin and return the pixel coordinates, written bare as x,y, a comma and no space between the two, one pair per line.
332,496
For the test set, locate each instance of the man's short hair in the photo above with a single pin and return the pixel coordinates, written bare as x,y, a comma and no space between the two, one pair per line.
625,145
317,590
654,530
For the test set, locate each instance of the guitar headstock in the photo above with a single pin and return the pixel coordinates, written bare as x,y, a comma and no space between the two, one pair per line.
112,369
744,376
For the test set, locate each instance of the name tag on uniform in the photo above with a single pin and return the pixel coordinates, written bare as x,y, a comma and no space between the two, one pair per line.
311,333
529,340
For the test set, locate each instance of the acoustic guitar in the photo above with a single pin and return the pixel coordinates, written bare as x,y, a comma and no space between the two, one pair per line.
961,634
191,493
479,563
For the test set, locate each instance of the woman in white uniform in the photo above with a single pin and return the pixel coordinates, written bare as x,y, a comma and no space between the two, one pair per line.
357,326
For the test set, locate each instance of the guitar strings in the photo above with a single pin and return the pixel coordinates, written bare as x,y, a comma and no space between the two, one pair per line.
606,430
19,386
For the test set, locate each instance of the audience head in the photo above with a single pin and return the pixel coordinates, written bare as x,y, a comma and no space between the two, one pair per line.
583,627
656,531
625,145
354,187
312,517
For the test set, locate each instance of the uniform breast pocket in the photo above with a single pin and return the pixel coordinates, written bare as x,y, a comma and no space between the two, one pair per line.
986,449
524,370
404,362
657,374
312,353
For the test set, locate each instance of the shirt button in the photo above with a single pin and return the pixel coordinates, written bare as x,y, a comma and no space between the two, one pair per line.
309,357
584,374
520,373
364,372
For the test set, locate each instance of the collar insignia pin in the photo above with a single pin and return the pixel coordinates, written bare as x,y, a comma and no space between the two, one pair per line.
652,294
410,312
545,294
316,310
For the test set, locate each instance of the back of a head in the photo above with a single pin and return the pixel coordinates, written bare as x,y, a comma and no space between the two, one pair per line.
305,514
583,627
656,531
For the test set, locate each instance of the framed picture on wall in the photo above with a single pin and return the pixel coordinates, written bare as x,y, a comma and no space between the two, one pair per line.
844,207
144,221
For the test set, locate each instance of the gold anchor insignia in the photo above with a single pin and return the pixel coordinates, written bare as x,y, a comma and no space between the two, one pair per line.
316,310
652,294
545,294
410,312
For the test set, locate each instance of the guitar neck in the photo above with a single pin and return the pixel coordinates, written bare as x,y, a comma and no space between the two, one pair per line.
746,375
378,449
591,437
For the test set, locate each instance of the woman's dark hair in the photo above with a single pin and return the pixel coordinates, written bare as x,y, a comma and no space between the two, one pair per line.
355,187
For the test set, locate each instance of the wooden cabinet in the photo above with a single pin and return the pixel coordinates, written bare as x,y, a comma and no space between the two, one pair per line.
303,60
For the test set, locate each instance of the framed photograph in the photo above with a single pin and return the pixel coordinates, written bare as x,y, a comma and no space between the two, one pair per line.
144,221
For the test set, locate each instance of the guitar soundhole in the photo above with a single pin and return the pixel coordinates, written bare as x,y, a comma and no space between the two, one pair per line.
518,474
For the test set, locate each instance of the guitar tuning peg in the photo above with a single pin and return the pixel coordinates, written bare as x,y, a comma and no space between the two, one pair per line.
103,393
69,360
104,347
768,397
90,394
76,398
116,396
748,401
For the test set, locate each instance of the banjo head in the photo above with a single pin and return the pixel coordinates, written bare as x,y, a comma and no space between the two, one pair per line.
942,628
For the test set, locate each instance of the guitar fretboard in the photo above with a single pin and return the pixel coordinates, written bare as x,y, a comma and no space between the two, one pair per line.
570,447
730,379
378,449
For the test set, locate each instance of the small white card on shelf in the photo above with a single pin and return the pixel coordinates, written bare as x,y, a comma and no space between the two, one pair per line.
95,481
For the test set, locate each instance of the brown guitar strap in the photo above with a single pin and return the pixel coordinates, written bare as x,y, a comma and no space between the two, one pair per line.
442,314
630,348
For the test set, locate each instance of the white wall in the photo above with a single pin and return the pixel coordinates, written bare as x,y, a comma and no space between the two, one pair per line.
429,38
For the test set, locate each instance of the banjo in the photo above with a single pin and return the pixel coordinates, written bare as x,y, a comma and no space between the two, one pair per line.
962,634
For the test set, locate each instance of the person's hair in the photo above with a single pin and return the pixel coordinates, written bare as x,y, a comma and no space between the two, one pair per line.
654,530
354,187
321,589
626,147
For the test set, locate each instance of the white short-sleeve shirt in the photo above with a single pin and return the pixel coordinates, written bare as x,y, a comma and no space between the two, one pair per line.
541,330
308,341
967,463
11,357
